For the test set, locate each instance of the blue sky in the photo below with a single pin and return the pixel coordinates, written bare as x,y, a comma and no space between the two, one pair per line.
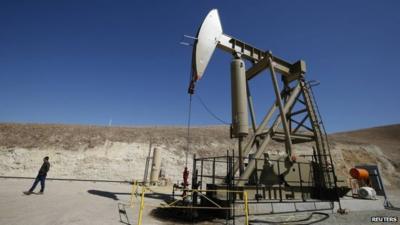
84,62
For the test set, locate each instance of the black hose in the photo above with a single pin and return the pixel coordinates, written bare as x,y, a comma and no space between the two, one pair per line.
389,206
296,222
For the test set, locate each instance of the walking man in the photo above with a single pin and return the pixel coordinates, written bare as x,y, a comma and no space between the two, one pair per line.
40,177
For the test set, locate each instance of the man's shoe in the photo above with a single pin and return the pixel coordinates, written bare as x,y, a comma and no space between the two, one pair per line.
40,193
27,192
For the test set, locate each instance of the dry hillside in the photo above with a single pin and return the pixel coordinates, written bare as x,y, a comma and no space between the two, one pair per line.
78,137
119,153
387,138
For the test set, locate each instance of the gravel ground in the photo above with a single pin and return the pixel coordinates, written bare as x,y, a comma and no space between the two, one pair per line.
84,203
65,202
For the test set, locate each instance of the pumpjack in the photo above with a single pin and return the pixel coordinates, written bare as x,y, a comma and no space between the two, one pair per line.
293,118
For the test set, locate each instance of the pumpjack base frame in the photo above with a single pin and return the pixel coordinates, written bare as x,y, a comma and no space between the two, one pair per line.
292,189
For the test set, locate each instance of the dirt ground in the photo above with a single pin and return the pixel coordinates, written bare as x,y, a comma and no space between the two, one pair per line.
65,202
84,203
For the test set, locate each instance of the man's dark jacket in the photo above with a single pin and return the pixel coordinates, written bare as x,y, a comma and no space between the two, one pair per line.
44,169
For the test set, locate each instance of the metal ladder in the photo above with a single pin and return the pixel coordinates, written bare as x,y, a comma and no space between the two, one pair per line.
323,149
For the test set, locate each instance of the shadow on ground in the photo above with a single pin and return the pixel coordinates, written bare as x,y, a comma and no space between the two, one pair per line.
107,194
113,195
184,215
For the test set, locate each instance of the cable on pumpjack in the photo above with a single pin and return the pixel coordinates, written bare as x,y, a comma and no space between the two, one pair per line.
211,112
186,171
191,92
188,130
185,174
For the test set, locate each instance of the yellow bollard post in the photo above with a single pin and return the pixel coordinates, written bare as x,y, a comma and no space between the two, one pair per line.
246,209
141,206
